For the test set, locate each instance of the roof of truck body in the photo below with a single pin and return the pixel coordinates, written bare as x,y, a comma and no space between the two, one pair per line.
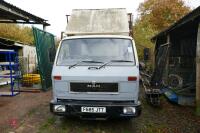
98,36
98,21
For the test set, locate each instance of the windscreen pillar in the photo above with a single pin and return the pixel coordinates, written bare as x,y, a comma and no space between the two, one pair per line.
198,74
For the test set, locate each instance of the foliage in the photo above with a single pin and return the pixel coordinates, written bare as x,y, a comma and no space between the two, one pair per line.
142,33
18,33
163,13
155,16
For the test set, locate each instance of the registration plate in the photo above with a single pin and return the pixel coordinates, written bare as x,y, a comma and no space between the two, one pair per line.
93,109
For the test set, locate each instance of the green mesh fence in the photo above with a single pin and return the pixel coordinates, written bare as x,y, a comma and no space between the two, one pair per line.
45,47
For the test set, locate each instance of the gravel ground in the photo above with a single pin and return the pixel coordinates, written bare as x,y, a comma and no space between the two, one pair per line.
14,109
34,117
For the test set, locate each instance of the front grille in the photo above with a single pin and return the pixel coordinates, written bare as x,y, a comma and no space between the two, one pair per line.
93,87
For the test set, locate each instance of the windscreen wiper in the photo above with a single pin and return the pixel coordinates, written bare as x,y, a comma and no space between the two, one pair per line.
84,61
113,61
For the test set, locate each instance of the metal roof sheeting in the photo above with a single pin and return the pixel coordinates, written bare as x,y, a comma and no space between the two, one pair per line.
12,14
98,21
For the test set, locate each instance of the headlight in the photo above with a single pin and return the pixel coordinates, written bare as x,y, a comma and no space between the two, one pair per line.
129,110
59,108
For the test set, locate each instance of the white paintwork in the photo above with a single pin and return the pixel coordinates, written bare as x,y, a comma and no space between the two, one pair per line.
113,21
128,90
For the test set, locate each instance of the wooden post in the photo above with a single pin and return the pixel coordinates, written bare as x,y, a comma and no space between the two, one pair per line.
153,58
44,27
166,69
198,74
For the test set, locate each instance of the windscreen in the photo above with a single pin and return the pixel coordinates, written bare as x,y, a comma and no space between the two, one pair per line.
96,49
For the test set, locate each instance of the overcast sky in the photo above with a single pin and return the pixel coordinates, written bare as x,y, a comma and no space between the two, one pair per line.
55,10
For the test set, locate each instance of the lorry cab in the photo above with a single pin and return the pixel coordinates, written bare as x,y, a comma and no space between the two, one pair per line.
96,75
96,71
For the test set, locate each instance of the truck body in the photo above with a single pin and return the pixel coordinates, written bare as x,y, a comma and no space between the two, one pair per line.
96,70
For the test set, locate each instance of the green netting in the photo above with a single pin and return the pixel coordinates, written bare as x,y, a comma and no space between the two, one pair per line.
45,47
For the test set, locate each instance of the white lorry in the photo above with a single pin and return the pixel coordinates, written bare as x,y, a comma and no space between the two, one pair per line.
96,70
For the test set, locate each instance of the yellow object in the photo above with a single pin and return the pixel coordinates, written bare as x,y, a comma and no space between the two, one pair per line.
31,78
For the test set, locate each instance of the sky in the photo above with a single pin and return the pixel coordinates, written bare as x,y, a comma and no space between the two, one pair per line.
55,11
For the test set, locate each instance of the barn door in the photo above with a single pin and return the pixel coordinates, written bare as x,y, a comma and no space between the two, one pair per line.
160,64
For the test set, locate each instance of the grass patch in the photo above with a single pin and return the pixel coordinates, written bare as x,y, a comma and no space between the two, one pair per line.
47,125
155,128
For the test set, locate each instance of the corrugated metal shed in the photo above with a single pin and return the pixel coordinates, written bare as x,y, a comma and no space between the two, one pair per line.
98,21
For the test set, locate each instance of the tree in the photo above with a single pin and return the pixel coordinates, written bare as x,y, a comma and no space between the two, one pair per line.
155,16
142,33
163,12
18,33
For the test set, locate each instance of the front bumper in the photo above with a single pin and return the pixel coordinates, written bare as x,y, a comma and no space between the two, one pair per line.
113,108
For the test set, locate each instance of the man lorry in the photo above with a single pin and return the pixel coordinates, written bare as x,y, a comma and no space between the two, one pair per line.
96,70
